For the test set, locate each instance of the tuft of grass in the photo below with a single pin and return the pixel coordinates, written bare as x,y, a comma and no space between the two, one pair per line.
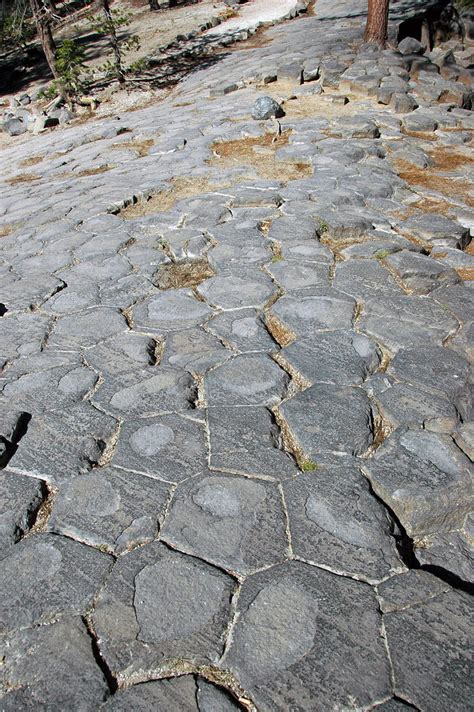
381,254
322,227
23,178
308,466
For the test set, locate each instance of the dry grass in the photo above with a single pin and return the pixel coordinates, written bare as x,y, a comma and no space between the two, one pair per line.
279,331
470,248
177,275
32,161
23,178
7,229
258,152
165,200
466,273
140,146
93,171
447,159
452,186
423,135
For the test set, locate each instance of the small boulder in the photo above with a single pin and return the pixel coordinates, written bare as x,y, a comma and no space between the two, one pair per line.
411,46
14,126
266,108
63,115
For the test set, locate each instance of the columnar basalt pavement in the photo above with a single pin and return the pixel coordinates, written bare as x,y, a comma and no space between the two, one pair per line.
235,388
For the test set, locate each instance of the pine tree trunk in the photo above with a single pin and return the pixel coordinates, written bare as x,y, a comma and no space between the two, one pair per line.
154,4
43,25
377,22
113,42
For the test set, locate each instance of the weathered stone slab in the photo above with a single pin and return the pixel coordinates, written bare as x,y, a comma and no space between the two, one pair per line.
76,331
424,479
61,445
248,379
124,353
22,335
443,371
301,623
195,350
464,438
451,552
147,392
330,418
110,508
314,310
45,576
39,670
169,447
342,357
20,498
290,229
170,606
420,274
247,287
291,276
233,522
400,322
336,522
172,310
243,330
365,279
409,589
436,228
429,647
247,441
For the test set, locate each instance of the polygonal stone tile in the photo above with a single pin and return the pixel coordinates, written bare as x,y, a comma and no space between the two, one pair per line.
247,441
401,322
424,479
110,507
452,552
170,448
307,251
233,290
125,292
298,275
245,247
242,330
98,270
79,331
51,667
58,446
365,279
172,310
22,335
402,404
330,418
233,522
314,639
335,521
169,606
436,369
195,350
45,576
342,357
20,498
31,292
419,273
437,229
429,648
312,311
146,392
71,300
409,589
124,353
249,379
54,389
290,229
185,693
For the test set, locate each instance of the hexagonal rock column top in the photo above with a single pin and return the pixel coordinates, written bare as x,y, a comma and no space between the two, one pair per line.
242,329
110,507
236,523
326,418
429,645
186,694
147,392
169,606
335,521
170,447
342,357
51,667
424,479
247,287
308,638
400,322
247,441
45,576
20,498
436,370
248,379
79,331
314,310
170,311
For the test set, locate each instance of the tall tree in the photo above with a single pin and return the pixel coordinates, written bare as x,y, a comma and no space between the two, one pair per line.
110,27
377,22
43,20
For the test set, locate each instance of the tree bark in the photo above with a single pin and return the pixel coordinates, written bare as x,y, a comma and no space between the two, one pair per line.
377,22
43,25
154,5
113,41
